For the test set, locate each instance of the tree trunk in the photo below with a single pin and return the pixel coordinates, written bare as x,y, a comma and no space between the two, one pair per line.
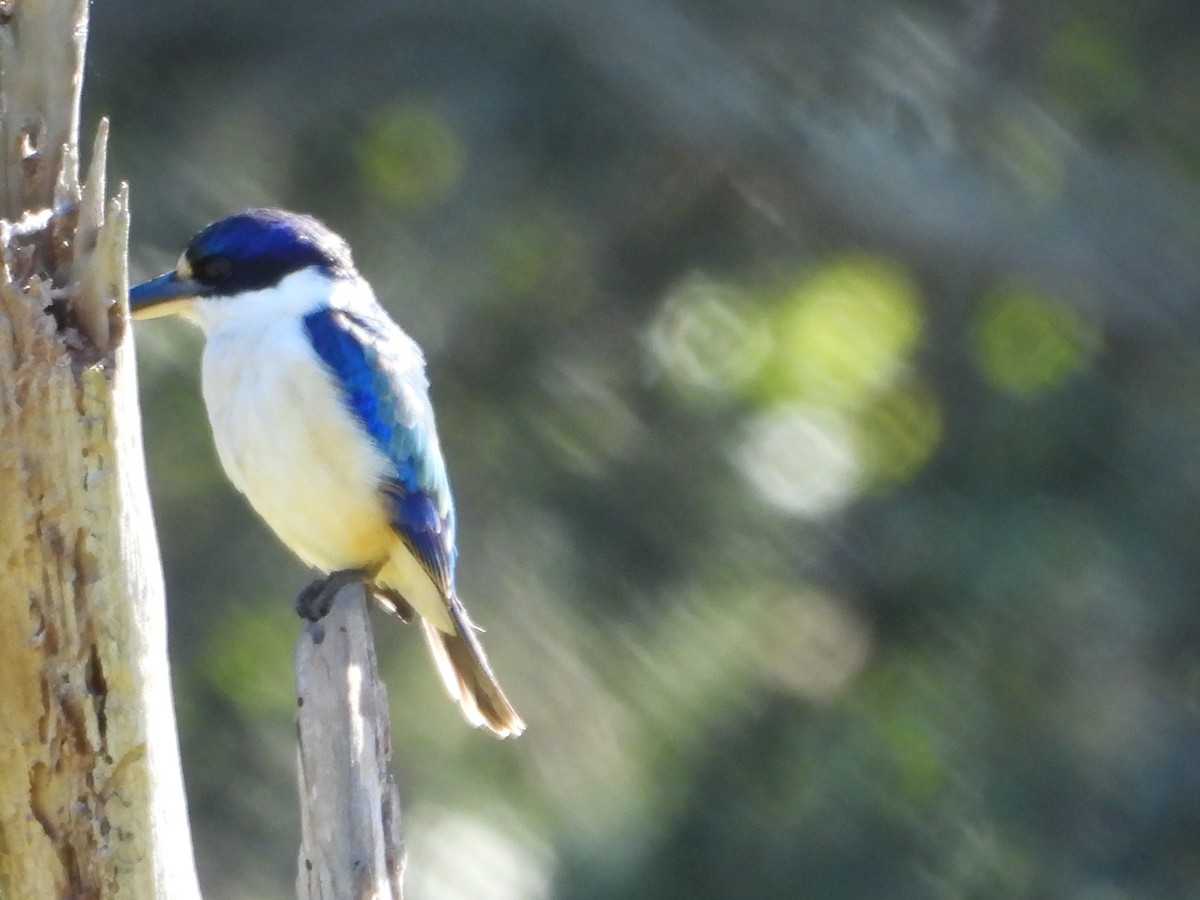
91,798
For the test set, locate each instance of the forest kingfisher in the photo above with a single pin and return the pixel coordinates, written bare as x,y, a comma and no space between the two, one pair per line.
320,411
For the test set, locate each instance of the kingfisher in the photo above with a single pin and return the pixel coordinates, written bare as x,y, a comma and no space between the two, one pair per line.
320,412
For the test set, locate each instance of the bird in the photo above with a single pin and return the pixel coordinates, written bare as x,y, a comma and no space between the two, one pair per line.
321,416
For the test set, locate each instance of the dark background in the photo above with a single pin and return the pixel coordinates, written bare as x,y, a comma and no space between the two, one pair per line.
820,384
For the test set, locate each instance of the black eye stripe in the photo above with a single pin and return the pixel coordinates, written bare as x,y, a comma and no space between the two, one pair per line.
214,269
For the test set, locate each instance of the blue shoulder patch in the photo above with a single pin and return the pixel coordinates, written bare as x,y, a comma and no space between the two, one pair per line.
394,410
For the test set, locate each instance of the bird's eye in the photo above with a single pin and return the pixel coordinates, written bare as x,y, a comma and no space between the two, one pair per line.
213,269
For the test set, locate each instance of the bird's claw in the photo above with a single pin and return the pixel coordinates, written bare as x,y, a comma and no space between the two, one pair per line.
314,602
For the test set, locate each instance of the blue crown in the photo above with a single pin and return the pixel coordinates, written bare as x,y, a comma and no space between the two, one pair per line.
255,249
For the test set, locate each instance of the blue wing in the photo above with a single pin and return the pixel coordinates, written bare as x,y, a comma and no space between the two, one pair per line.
383,380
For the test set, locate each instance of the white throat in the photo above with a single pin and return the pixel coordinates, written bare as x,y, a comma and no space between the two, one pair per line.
296,295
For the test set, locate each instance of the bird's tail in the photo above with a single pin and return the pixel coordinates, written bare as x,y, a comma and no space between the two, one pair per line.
468,677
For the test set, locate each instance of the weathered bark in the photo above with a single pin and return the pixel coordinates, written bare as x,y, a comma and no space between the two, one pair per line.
91,797
349,805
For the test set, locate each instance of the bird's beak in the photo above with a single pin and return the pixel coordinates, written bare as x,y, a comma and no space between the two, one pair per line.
165,295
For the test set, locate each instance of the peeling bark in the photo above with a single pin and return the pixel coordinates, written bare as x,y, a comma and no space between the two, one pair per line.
91,797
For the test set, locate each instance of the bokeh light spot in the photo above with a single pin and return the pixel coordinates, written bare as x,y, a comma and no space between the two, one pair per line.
1027,343
533,250
410,156
844,332
899,432
812,644
708,337
801,459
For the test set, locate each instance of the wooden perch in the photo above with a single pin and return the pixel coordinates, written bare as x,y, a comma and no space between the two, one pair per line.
350,807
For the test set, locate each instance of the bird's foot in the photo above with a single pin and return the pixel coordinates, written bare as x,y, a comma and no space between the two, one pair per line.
314,602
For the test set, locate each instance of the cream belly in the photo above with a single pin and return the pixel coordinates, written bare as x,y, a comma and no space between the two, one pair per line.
289,444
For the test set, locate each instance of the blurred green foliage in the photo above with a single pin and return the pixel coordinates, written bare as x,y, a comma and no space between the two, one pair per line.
820,384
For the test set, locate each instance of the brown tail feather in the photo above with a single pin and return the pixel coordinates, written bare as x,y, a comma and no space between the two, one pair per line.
465,671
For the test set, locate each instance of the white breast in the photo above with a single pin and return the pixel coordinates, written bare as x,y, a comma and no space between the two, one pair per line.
287,441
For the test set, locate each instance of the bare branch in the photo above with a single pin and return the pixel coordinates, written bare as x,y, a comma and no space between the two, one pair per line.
350,807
